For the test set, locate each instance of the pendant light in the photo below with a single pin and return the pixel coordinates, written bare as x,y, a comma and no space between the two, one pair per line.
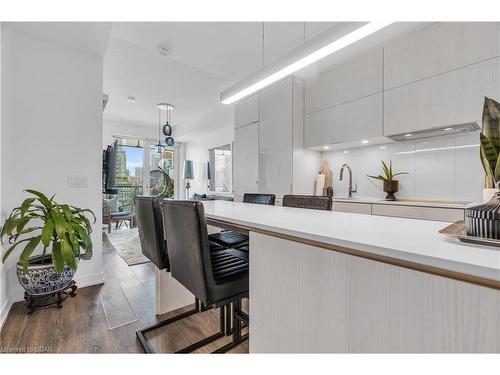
167,128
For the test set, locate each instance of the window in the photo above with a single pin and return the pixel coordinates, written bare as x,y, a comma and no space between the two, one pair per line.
220,169
129,172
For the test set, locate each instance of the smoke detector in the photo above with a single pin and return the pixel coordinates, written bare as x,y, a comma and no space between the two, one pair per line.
163,52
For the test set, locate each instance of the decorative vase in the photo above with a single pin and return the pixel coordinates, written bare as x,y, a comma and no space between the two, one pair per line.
484,220
488,193
42,276
391,187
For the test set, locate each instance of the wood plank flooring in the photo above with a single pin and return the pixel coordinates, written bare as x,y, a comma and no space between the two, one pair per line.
104,318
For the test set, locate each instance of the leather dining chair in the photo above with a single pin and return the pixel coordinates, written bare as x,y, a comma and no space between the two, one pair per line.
308,201
218,278
228,238
154,247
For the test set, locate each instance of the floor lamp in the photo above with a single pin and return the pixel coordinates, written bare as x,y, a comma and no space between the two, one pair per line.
188,175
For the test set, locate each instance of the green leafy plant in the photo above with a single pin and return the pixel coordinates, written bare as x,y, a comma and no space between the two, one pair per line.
39,220
388,174
490,142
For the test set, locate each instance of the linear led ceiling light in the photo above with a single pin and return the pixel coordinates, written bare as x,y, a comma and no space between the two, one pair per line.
232,95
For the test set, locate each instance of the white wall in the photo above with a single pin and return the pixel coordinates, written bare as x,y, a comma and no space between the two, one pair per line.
197,146
4,302
446,168
51,128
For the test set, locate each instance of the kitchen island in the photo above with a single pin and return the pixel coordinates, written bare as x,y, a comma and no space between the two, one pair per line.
324,281
342,282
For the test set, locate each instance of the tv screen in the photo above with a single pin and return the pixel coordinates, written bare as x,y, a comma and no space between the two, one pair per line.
109,168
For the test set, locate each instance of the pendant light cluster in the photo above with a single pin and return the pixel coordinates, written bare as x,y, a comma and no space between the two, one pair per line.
166,128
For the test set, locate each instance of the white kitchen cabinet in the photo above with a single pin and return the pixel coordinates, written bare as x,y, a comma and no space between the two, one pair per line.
417,212
355,208
451,98
356,79
356,120
246,111
275,139
246,159
437,49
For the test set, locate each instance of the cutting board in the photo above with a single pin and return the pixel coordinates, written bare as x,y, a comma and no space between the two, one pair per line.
325,170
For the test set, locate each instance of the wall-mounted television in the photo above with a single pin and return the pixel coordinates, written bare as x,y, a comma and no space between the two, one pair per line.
109,169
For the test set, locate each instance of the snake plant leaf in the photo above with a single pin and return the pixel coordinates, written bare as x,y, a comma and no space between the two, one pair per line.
489,150
489,173
399,173
47,230
57,259
28,250
491,122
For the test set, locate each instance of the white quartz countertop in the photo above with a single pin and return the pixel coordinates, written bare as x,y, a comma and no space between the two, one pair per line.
408,202
411,240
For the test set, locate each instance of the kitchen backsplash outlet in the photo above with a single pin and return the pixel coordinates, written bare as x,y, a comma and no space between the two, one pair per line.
442,168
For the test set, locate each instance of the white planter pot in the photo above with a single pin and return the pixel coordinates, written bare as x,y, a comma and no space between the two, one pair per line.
488,193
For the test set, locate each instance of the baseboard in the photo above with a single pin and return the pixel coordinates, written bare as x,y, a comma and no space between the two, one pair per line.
4,311
89,280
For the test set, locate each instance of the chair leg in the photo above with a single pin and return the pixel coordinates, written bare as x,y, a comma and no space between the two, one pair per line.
141,333
198,307
238,316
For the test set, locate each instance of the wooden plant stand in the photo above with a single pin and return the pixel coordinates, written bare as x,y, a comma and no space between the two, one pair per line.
38,301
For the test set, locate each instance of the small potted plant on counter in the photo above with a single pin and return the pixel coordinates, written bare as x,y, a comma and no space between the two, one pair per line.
40,222
391,185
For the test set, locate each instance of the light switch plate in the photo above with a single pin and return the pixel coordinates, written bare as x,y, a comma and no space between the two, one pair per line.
77,181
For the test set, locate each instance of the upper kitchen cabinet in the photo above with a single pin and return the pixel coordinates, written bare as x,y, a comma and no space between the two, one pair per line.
345,104
246,111
437,49
356,79
450,98
355,120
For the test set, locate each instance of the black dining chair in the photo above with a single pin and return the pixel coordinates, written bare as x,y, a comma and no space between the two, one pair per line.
308,201
218,278
154,247
231,239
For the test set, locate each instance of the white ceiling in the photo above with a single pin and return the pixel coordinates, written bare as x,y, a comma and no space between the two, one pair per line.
205,59
86,37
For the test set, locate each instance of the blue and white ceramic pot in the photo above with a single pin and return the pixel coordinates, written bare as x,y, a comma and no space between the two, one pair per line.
42,276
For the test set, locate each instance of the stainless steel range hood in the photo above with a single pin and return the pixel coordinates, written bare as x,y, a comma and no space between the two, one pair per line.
436,132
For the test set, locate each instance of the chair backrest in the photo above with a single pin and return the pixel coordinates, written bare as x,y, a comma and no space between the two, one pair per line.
267,199
187,241
308,201
151,233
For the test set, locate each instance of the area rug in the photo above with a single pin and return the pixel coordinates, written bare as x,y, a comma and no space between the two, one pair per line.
127,245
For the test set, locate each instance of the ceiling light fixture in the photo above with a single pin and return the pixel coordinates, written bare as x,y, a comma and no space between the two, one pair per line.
346,152
325,147
408,135
364,141
233,94
167,128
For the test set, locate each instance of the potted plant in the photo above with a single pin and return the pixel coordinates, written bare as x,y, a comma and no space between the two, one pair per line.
490,147
61,229
391,185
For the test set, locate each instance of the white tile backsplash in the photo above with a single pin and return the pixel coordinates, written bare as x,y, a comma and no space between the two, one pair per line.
443,168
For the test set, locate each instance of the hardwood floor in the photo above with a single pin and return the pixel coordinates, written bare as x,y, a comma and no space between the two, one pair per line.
104,318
